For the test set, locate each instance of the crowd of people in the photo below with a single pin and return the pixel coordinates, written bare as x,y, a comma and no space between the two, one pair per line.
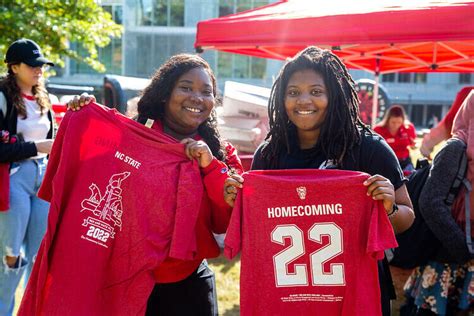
314,124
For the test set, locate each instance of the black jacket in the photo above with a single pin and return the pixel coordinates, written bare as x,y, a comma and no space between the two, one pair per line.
19,150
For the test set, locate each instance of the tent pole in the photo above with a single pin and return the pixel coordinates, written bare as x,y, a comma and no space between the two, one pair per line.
376,93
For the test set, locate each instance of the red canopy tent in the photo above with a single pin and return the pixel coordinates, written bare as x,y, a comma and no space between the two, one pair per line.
377,36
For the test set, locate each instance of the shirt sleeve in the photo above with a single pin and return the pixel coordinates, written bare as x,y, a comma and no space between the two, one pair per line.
379,158
381,235
214,177
258,163
46,190
233,241
17,151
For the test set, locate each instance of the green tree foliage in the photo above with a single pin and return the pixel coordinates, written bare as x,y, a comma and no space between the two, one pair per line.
55,24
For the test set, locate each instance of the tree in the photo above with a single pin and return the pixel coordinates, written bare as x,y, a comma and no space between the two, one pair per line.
55,24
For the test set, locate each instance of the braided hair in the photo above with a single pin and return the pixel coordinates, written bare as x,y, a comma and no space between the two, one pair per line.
342,126
157,93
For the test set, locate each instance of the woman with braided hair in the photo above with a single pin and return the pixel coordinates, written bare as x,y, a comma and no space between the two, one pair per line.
315,124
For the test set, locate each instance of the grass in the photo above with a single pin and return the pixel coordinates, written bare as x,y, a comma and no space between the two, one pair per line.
228,287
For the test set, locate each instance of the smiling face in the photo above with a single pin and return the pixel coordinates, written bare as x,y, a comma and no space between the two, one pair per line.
190,103
306,102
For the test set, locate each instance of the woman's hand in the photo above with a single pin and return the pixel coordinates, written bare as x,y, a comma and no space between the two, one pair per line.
380,188
79,101
197,149
231,186
44,146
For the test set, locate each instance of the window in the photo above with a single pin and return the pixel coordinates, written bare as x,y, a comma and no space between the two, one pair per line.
227,7
152,49
257,67
244,5
240,66
416,115
176,15
404,77
388,77
160,12
224,65
420,78
465,78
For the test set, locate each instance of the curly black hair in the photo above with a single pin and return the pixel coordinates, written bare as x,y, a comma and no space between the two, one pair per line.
157,93
342,126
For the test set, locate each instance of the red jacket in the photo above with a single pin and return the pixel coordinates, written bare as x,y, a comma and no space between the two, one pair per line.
214,216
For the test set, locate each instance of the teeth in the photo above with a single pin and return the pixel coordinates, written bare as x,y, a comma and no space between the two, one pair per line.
305,112
194,110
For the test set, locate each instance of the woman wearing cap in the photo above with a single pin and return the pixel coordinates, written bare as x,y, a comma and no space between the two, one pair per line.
27,126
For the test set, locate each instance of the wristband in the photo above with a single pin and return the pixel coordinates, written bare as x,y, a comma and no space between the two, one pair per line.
394,211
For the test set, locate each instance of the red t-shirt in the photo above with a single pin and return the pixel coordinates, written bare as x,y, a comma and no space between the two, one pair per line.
123,198
399,142
310,241
214,216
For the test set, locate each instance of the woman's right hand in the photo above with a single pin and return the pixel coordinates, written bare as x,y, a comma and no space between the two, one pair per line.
44,146
231,186
79,101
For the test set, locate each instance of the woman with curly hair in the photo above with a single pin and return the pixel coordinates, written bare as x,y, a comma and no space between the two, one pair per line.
315,124
180,102
26,117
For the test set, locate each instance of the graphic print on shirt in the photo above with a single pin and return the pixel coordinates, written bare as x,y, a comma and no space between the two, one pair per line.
301,192
106,208
320,273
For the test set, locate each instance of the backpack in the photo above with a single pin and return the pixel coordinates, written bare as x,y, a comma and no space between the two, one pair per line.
419,244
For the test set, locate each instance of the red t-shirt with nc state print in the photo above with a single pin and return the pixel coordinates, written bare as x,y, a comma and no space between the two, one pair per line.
310,241
123,198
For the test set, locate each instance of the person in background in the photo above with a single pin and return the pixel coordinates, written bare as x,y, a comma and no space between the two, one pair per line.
442,130
399,133
181,99
315,124
25,113
445,285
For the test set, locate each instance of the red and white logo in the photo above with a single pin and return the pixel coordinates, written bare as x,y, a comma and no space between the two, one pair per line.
301,192
106,209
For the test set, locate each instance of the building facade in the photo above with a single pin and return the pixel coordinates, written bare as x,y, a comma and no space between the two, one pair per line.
156,29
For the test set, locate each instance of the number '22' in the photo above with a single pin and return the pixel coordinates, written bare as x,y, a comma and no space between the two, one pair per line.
318,258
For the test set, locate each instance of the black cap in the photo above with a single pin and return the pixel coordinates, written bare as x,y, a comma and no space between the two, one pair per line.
26,51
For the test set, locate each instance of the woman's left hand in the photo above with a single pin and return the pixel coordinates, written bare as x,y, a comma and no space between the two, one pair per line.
197,149
380,188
